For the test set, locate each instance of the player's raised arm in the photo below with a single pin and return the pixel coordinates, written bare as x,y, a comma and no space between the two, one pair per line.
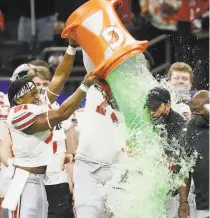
30,117
62,72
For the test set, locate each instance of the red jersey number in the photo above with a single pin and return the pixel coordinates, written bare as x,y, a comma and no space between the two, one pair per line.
101,109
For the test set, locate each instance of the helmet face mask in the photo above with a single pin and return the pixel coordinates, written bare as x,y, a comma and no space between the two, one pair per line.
21,71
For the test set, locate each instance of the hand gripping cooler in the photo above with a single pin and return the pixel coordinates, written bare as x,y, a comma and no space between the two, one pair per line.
96,27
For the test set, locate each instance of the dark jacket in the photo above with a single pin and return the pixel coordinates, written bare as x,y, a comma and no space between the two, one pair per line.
174,126
197,138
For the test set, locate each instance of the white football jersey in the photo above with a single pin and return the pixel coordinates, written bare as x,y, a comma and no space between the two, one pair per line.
100,139
29,150
55,174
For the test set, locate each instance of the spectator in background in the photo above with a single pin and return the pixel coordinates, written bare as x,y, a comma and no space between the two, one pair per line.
176,19
160,19
64,8
191,45
188,17
162,15
197,139
180,78
200,57
124,11
45,17
201,14
58,28
184,18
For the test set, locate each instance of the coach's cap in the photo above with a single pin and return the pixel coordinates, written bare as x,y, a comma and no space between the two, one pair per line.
21,71
156,97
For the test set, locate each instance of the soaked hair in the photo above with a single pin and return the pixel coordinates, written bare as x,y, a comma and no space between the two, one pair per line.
14,88
182,67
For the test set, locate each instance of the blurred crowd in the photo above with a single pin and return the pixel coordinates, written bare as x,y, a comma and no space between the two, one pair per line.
49,16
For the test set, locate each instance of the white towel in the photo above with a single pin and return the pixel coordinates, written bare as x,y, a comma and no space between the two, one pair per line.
15,189
6,174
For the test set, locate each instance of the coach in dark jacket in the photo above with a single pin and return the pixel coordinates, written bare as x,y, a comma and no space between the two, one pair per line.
197,139
159,103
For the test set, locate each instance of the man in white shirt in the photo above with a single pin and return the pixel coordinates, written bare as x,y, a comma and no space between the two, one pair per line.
180,79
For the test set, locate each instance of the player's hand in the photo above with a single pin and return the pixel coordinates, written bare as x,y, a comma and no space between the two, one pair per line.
90,79
72,43
184,210
69,158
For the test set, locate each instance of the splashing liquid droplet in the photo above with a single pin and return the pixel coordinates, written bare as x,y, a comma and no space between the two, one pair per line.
142,181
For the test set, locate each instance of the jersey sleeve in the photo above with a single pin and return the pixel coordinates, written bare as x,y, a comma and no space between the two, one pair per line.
23,117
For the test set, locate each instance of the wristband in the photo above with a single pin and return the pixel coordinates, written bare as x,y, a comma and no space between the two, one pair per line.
71,51
71,154
182,202
84,87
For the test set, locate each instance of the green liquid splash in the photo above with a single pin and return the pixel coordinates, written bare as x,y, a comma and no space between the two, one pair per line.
141,182
130,82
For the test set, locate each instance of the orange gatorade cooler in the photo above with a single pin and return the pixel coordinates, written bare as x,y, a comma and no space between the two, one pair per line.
96,27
